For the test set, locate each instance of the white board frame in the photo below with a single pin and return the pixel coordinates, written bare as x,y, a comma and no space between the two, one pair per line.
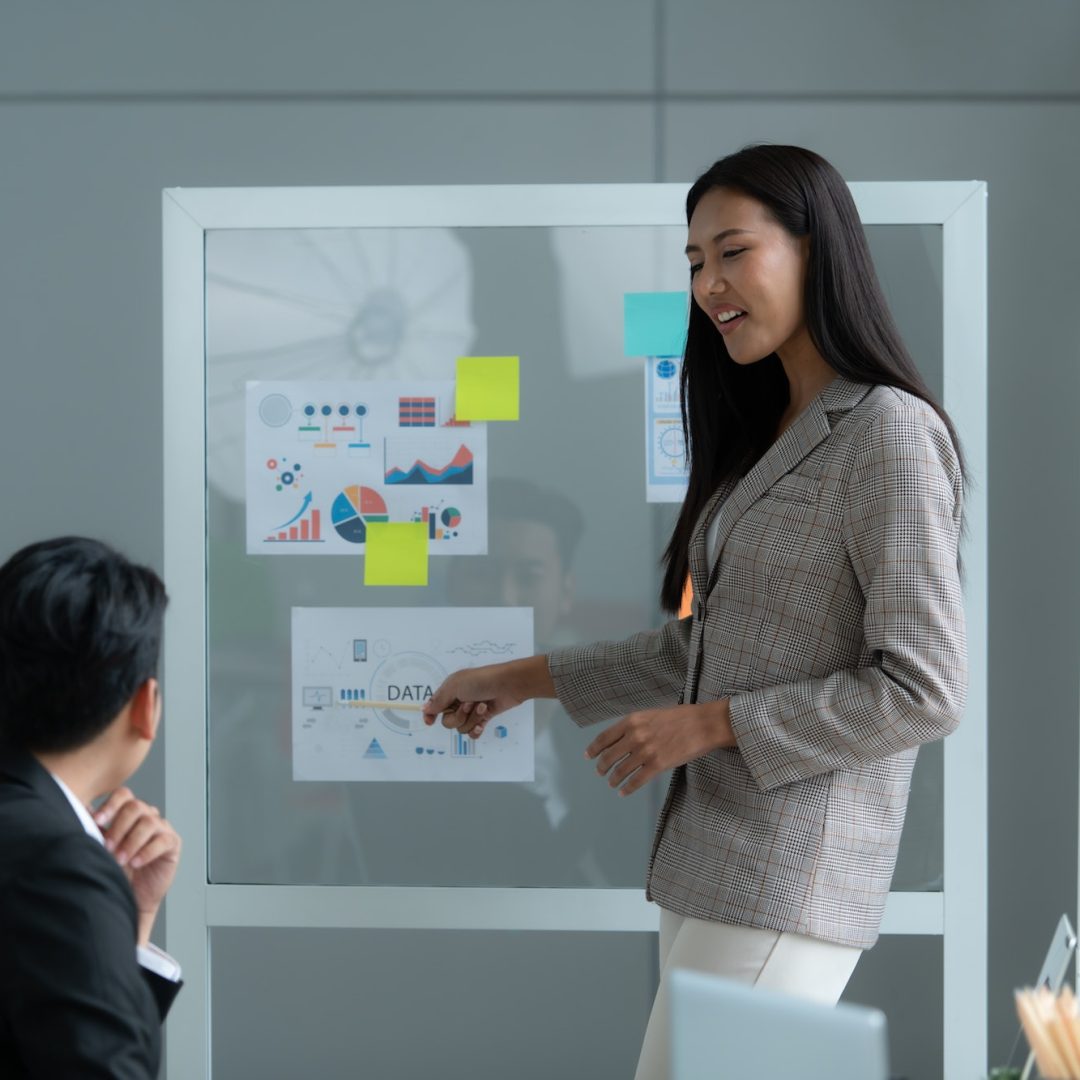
959,914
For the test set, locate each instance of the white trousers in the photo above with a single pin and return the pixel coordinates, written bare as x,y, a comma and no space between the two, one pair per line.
787,963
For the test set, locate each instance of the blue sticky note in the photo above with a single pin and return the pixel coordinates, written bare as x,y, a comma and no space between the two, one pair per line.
654,323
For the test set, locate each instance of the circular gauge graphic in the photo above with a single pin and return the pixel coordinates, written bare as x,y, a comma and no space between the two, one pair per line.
409,678
353,508
275,410
673,444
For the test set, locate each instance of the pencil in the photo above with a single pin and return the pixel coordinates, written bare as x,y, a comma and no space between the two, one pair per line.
400,706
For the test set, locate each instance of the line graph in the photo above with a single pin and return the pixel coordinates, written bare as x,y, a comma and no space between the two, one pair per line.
318,656
485,648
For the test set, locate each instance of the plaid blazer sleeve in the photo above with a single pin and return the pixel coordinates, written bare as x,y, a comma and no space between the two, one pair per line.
902,514
611,678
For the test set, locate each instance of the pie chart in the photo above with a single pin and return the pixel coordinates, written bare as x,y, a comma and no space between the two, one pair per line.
451,517
353,508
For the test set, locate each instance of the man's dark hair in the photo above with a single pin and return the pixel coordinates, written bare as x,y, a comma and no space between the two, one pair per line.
80,632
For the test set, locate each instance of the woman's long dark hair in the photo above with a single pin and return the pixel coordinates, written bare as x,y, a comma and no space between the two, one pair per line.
730,411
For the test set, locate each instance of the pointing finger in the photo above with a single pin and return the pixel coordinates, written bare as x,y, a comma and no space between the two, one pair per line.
458,717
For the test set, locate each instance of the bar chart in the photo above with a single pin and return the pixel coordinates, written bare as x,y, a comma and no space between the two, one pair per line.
463,746
307,530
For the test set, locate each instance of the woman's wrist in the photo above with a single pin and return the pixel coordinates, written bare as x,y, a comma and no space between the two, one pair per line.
716,717
531,678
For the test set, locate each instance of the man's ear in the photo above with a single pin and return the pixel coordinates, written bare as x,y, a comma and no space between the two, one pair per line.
145,710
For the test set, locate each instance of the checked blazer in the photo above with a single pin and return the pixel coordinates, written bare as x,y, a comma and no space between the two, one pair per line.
833,619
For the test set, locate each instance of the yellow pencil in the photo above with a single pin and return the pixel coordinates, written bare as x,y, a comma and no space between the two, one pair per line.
401,706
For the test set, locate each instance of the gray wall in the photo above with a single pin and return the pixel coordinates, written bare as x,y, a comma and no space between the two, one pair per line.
102,104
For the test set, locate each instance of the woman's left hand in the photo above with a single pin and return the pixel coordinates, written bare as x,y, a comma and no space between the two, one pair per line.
643,744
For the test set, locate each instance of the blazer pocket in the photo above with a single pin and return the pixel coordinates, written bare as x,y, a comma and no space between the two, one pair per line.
793,488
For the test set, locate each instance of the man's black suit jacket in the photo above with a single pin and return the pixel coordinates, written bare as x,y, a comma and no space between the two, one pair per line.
74,1001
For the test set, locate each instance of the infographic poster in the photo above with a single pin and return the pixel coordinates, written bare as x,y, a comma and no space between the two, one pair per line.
360,678
325,459
665,446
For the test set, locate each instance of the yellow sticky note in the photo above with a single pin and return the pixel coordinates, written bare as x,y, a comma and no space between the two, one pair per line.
396,553
487,388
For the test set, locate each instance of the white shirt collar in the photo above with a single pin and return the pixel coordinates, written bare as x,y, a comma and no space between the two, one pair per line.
87,822
149,956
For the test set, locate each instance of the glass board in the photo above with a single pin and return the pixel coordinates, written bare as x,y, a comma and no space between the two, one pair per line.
570,534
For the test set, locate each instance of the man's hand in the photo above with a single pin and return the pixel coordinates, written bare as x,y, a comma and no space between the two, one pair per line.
146,846
643,744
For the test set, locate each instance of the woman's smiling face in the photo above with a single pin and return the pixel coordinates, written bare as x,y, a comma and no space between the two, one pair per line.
748,275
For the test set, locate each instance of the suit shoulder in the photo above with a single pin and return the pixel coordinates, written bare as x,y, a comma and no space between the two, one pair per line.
39,850
28,830
889,415
888,407
891,429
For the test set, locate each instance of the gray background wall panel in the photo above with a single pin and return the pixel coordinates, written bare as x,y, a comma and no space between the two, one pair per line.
871,47
283,47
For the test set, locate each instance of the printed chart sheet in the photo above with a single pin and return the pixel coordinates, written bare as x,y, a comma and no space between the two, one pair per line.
326,459
665,447
360,677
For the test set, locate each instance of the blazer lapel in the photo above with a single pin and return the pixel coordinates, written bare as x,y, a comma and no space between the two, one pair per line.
699,556
810,429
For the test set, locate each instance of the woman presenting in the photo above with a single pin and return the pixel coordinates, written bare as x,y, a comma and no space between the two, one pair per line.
820,533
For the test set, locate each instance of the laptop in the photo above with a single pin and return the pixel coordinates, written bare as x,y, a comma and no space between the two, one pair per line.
723,1030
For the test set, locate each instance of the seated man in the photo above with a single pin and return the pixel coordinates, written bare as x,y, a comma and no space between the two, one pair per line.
82,991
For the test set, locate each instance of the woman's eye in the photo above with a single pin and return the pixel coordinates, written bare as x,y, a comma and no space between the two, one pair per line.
732,252
694,268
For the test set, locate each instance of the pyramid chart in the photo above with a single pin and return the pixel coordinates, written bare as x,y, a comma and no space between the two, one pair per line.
374,750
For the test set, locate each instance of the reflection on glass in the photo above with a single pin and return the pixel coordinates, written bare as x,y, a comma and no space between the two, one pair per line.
326,304
570,535
565,829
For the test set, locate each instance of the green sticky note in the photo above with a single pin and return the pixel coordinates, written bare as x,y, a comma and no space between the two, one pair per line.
654,323
396,553
487,388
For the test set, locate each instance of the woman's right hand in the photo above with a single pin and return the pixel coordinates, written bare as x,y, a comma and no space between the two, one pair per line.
469,698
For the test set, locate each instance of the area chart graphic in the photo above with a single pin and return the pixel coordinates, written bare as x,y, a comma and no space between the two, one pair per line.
458,470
